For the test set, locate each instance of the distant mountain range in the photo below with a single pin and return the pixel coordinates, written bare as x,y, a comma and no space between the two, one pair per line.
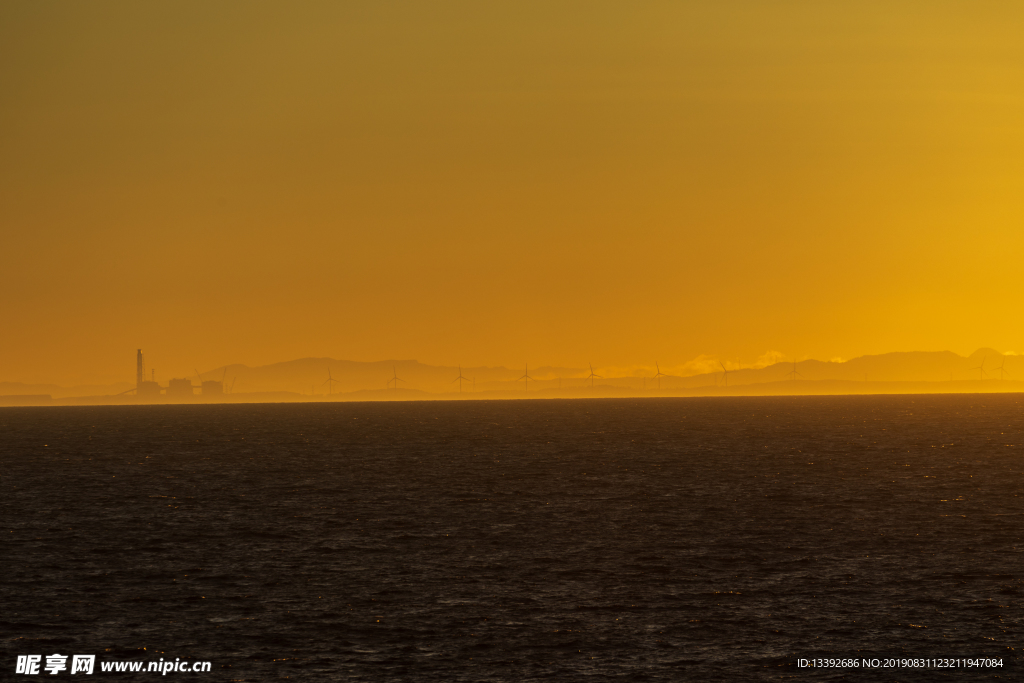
310,375
915,366
317,378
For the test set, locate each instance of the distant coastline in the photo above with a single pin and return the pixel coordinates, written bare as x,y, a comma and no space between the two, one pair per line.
327,380
785,388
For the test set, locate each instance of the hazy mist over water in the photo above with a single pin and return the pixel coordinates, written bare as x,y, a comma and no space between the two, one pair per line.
572,540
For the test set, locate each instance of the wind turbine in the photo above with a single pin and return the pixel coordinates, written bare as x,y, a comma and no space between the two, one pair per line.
592,376
526,376
658,375
396,379
793,374
981,368
725,373
1001,370
459,379
330,382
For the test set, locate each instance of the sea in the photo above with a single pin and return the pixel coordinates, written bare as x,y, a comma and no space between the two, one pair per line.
844,538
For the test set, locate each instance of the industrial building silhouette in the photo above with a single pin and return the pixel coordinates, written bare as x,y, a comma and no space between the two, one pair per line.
176,389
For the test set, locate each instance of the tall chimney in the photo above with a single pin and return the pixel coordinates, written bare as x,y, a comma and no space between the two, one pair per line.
140,370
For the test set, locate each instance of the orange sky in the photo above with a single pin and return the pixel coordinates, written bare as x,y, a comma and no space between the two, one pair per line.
502,182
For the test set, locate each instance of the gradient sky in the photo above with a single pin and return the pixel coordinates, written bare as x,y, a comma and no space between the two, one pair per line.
502,182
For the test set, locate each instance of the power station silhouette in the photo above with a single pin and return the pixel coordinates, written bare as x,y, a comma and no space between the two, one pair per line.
177,388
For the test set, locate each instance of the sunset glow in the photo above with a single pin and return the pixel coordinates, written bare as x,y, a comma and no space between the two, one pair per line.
501,183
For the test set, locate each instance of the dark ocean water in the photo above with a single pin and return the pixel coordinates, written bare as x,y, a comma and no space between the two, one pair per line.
582,540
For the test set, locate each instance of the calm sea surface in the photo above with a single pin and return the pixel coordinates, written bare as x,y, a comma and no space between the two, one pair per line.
580,540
